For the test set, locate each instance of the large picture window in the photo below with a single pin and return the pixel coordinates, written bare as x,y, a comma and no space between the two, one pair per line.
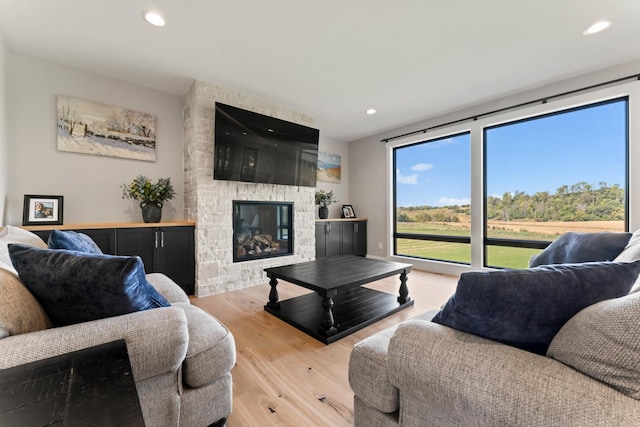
493,190
551,174
433,199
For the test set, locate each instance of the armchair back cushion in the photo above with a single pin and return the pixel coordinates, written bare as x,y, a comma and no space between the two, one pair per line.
11,234
603,341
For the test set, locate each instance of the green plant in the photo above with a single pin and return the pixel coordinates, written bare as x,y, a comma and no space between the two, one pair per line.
324,198
142,189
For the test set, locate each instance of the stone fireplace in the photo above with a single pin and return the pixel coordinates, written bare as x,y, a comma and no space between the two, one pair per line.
262,230
210,203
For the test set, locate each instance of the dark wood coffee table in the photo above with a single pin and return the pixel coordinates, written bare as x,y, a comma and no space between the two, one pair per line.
89,387
340,305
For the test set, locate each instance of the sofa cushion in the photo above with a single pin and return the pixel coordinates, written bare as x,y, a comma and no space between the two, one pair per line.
20,313
368,370
630,253
10,234
211,352
526,308
167,288
74,287
73,241
603,341
574,247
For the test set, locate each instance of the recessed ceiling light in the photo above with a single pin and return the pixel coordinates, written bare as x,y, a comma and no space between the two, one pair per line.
371,111
597,27
154,18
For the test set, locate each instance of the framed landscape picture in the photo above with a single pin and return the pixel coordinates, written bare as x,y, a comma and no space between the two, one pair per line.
329,167
42,210
104,130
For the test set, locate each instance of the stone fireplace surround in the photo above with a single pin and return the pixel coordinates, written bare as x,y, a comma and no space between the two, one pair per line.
208,202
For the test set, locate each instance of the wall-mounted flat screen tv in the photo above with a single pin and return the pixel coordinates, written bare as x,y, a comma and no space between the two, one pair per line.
252,147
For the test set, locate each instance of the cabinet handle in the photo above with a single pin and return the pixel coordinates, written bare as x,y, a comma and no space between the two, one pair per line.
355,227
162,239
155,239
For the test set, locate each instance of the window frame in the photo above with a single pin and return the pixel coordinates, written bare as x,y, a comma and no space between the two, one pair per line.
541,244
425,237
478,217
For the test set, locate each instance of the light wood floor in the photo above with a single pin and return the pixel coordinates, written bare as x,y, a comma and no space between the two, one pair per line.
283,377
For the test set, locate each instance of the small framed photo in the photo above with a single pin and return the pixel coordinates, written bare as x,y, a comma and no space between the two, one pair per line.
42,210
347,211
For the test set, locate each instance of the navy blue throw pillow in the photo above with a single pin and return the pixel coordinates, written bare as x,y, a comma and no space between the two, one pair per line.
75,287
526,308
574,247
73,241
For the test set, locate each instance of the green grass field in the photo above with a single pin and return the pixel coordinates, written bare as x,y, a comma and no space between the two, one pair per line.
496,256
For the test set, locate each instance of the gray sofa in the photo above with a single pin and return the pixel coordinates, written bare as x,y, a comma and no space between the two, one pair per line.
422,373
181,357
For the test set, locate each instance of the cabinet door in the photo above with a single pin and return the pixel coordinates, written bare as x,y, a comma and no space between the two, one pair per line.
334,238
348,237
321,239
141,242
360,238
176,255
105,238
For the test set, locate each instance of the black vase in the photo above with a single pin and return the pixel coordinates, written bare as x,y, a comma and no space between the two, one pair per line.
151,211
323,212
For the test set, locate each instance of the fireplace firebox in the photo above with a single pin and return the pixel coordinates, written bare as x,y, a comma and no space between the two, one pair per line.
262,230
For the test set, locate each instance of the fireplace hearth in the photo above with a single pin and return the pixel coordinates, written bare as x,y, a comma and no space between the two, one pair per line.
262,230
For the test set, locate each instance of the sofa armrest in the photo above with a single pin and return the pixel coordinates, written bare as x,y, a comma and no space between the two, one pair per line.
167,288
468,380
156,340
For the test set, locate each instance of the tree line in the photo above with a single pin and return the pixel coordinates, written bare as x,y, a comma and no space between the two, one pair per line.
577,202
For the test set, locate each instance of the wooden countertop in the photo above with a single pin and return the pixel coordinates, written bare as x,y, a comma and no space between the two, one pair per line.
341,219
109,225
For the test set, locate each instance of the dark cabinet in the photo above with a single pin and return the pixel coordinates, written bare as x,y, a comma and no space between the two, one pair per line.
105,238
169,249
341,238
328,239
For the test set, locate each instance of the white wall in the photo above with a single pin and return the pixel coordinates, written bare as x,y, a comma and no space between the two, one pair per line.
341,190
369,169
90,184
4,143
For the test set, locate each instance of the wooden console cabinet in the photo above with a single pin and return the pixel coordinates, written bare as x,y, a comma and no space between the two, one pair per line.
341,237
164,247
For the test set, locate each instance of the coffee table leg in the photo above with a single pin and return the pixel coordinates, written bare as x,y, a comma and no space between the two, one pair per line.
327,323
404,290
273,294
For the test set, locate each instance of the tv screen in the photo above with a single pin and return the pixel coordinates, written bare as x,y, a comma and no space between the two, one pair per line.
252,147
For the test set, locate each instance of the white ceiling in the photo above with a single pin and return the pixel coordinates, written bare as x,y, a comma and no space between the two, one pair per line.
333,59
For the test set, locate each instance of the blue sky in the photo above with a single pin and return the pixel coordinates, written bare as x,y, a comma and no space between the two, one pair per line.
531,156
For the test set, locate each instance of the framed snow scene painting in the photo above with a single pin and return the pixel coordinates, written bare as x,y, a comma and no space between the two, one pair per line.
92,128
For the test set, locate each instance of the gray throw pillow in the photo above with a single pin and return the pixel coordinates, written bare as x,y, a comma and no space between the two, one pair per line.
603,342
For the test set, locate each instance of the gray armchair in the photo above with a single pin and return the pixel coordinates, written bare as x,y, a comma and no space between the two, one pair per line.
425,374
181,357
